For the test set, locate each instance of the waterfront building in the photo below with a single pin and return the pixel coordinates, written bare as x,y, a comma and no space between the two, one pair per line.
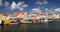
56,15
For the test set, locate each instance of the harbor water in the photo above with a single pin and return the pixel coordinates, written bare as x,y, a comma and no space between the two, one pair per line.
53,26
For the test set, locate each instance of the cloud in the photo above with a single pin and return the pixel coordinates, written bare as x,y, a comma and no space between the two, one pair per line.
20,6
57,9
46,8
0,2
41,3
20,3
45,2
7,3
49,11
13,5
36,10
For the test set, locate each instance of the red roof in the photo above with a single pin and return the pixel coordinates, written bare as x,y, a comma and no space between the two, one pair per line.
42,14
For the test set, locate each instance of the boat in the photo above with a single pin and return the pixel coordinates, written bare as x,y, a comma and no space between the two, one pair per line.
26,20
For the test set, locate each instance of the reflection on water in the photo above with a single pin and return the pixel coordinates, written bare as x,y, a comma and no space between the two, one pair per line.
42,27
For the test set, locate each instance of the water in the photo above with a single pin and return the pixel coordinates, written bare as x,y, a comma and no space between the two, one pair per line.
41,27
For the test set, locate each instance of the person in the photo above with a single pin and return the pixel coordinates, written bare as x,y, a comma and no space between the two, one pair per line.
2,22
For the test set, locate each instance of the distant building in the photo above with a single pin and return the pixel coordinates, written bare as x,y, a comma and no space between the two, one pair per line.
22,14
42,15
56,15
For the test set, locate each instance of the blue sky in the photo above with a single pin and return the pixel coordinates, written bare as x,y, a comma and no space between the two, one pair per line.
6,6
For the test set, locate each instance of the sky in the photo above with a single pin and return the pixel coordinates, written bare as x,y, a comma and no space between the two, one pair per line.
30,6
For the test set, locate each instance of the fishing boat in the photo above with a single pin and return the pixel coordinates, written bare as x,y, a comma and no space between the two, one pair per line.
26,20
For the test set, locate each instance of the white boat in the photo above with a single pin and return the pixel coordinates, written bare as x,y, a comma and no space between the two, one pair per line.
46,20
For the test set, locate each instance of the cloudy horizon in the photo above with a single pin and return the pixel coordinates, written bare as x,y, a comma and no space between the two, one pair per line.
30,6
